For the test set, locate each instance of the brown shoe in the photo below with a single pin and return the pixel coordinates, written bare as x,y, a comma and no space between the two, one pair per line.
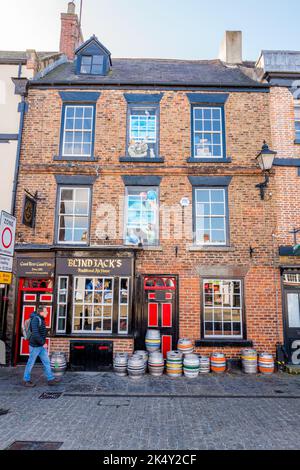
28,384
55,381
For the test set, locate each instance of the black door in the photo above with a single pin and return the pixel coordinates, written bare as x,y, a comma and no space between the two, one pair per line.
292,324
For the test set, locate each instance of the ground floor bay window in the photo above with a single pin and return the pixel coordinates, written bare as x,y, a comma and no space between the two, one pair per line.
222,313
97,305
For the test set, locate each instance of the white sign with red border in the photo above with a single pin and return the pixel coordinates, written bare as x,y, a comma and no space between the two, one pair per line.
7,234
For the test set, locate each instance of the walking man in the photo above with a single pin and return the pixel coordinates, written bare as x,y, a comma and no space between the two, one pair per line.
38,348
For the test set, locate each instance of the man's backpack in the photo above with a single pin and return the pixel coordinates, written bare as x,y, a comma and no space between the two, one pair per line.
26,328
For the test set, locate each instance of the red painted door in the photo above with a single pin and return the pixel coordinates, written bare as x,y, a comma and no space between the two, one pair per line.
32,294
160,309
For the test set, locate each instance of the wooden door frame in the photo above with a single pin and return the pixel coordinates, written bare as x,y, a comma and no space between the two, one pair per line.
140,310
287,339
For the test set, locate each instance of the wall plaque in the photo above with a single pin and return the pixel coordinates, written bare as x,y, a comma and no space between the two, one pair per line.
35,267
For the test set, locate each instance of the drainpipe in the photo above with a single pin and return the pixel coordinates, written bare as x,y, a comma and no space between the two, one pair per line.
20,89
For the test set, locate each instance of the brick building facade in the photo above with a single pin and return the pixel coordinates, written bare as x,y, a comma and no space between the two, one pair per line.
147,213
282,72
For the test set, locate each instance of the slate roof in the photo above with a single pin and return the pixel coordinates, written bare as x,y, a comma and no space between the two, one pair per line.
155,72
20,56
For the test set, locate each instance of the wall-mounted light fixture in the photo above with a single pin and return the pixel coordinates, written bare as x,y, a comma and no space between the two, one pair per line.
265,159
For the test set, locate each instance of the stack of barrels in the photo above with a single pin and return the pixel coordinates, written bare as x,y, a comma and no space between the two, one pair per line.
58,363
153,340
266,363
204,364
191,366
218,362
120,364
249,361
156,364
185,346
136,366
174,364
144,355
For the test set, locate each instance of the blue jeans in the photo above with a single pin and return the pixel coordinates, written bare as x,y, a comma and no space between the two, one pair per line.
34,353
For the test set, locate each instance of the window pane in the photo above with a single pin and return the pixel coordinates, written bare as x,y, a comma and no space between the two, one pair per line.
202,195
220,319
141,216
207,132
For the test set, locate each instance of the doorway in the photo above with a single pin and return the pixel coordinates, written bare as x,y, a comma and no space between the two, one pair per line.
160,309
32,293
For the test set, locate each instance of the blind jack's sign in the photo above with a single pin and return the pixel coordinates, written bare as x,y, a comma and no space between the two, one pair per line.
94,266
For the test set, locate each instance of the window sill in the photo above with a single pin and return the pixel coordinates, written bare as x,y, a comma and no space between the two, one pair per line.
224,342
85,336
62,158
211,248
209,160
141,160
152,248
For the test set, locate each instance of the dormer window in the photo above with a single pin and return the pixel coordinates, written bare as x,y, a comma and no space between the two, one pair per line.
92,58
92,64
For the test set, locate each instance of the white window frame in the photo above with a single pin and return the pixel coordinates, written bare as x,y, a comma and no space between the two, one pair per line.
73,215
210,216
138,117
208,132
64,304
74,130
209,281
297,106
93,304
127,305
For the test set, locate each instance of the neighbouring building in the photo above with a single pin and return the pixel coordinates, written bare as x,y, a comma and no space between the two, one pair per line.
281,69
16,67
147,210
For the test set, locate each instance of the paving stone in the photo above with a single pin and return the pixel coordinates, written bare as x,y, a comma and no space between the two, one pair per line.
170,422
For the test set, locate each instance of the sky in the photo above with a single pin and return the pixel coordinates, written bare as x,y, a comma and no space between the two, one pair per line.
183,29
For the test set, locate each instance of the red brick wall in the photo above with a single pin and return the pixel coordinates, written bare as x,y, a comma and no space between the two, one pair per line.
252,221
63,345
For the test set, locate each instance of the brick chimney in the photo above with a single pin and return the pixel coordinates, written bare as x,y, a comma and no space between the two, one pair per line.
231,48
71,34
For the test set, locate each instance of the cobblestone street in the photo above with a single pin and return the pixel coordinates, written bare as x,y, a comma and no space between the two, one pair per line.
101,411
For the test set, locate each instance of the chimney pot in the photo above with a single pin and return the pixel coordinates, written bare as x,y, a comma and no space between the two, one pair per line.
231,48
71,8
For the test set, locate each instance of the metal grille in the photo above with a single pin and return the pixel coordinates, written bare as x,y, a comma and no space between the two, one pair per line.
34,445
50,396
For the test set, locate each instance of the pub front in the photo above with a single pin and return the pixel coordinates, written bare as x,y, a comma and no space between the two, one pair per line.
88,296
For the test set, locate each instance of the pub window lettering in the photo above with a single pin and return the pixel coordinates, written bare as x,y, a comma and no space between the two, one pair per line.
73,215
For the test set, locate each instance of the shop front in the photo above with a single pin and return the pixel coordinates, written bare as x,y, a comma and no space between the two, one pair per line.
291,313
88,296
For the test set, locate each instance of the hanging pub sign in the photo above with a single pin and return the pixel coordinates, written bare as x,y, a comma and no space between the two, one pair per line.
94,266
29,211
35,267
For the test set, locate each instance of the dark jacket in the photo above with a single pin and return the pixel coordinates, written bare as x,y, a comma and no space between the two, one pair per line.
38,329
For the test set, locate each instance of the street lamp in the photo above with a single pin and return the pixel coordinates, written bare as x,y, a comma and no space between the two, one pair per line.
265,159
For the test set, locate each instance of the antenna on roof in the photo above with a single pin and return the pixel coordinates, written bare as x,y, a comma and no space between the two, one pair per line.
80,15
